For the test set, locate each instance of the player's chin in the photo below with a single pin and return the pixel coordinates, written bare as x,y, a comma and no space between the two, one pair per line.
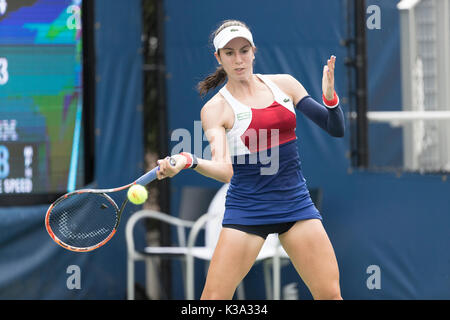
240,73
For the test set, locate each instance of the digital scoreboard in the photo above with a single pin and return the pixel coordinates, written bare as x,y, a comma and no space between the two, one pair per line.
41,97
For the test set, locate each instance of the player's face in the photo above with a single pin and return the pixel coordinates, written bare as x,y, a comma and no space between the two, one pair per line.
237,58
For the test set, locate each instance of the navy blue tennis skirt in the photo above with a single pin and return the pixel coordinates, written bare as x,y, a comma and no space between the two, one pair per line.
270,190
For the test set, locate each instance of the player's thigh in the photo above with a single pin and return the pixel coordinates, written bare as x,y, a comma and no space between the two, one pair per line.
312,254
233,257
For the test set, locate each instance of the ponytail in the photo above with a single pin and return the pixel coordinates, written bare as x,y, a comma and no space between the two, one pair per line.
212,81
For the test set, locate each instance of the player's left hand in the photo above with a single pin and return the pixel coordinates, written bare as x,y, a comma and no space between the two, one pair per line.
328,78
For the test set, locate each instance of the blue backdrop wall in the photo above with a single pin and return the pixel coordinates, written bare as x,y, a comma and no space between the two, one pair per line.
397,222
32,266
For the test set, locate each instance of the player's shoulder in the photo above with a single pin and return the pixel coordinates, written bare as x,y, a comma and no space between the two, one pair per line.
288,84
216,110
217,103
282,79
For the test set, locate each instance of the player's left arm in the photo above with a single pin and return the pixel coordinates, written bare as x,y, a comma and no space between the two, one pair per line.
328,116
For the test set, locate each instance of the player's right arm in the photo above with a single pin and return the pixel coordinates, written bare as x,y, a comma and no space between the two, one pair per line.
216,116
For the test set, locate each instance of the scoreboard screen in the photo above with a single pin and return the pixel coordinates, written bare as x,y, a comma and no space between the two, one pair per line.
42,143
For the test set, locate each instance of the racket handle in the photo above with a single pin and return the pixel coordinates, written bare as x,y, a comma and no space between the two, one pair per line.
148,177
151,175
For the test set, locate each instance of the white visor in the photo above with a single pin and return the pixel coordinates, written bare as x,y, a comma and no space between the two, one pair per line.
229,33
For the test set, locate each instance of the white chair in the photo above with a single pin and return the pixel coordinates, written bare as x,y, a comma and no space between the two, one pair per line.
194,202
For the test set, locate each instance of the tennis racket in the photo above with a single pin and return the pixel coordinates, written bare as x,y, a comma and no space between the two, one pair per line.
86,219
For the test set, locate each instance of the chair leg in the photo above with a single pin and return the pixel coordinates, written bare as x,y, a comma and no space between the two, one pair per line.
190,290
267,279
276,277
183,262
130,279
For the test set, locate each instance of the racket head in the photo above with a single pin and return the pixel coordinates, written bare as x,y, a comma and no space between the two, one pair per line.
82,220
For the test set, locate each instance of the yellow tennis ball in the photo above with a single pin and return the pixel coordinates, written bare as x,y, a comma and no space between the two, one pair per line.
137,194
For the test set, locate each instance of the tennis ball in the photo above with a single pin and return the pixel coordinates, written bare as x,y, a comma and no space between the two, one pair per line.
137,194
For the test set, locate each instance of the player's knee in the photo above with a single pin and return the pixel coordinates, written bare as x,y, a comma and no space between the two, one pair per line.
330,292
215,295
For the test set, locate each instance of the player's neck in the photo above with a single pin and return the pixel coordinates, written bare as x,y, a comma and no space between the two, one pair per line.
243,87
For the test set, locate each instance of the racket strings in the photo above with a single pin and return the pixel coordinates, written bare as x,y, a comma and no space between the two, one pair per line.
83,220
65,229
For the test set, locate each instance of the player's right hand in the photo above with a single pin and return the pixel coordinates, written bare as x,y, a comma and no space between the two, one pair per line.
168,169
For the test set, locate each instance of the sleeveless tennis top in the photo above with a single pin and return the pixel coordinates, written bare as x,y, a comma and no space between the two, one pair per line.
256,129
267,184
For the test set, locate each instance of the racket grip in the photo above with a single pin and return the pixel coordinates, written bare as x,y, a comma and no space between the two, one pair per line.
151,175
148,177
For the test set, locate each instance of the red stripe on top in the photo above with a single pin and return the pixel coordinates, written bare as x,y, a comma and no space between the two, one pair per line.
270,127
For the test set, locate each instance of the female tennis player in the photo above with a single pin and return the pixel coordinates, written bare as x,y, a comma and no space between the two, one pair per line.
250,116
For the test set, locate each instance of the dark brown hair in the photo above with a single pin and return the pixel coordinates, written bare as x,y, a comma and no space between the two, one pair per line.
219,76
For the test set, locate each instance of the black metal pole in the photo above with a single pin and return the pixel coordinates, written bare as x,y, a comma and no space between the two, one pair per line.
163,143
88,20
361,83
349,62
